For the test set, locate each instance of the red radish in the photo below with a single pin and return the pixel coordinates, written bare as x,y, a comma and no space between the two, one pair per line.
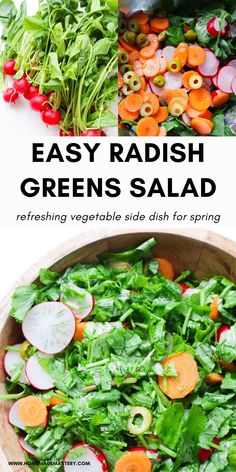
183,287
234,85
137,449
36,376
39,102
21,85
102,133
232,30
159,54
81,304
51,117
186,119
10,95
92,132
225,78
232,63
168,53
211,65
12,359
215,80
69,133
190,291
159,91
204,454
9,68
31,451
49,326
31,92
13,416
221,330
86,454
218,27
173,81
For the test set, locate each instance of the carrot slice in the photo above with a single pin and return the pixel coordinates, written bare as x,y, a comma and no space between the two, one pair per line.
192,113
185,78
152,38
151,67
138,68
200,99
120,80
144,84
213,379
159,24
133,462
126,46
181,53
147,52
141,17
145,29
166,268
154,100
202,126
144,95
214,308
220,99
207,114
161,115
32,411
162,131
186,379
133,102
79,330
54,401
196,55
169,94
133,56
125,114
147,127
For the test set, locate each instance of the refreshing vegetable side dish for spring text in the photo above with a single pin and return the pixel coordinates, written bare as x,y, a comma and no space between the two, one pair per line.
125,365
63,61
177,74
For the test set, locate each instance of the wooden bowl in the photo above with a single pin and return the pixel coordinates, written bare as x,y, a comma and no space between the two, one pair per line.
203,252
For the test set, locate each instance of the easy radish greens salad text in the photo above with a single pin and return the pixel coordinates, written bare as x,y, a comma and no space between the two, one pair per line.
125,365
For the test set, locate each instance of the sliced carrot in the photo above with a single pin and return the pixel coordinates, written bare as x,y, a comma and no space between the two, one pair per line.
144,95
54,401
220,99
162,131
133,102
181,53
202,126
159,24
147,52
145,29
192,113
196,55
186,379
147,127
133,462
126,46
151,67
32,411
213,378
166,268
120,80
133,56
207,114
185,78
125,114
144,83
138,68
161,115
176,101
141,17
152,38
169,94
214,308
154,100
200,99
79,330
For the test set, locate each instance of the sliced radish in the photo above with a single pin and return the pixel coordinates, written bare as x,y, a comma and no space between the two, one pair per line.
173,81
215,80
27,447
186,119
36,376
190,292
234,85
221,330
225,78
79,300
211,65
206,85
159,91
232,30
49,326
11,360
88,456
168,53
13,416
159,54
232,63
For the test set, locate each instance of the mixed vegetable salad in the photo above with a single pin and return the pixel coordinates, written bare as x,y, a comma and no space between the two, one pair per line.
126,366
63,60
177,71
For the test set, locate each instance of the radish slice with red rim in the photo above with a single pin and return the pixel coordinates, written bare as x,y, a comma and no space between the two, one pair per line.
168,53
13,416
12,360
211,65
234,85
159,54
215,80
88,457
77,299
225,79
49,326
31,451
232,63
232,30
159,91
36,375
173,81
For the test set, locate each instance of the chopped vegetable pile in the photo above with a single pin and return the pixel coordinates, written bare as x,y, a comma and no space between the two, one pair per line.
177,74
64,61
125,365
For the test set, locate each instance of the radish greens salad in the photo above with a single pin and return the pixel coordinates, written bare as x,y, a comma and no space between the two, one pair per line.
63,61
125,365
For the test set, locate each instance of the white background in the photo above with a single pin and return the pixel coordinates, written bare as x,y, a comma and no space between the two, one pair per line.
23,243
